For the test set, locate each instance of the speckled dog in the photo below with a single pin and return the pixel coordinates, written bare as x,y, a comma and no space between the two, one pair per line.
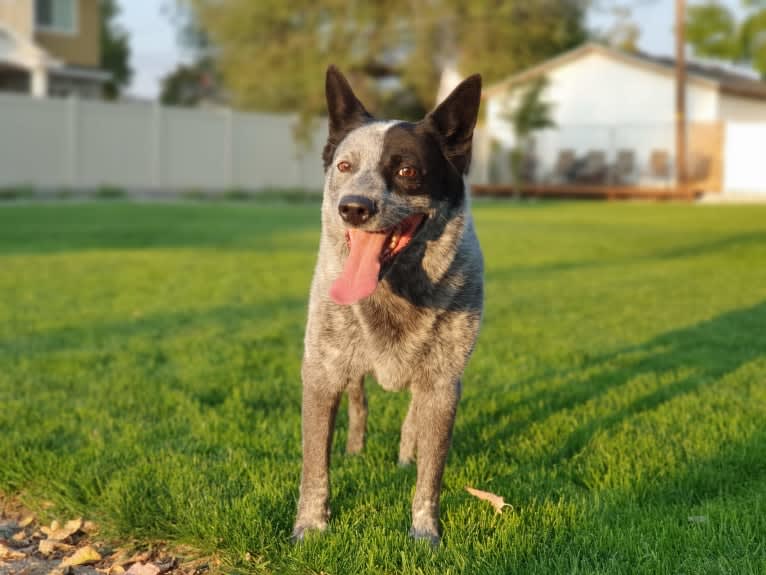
397,290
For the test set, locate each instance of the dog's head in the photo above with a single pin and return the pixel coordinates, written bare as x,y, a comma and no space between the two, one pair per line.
391,184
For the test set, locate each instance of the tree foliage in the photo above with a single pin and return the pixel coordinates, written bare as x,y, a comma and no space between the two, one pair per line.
115,49
531,113
272,54
714,31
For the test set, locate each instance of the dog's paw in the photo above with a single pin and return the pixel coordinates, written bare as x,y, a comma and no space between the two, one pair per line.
302,530
354,447
425,535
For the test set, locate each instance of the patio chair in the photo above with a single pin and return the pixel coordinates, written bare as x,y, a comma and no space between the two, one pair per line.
564,166
593,169
659,165
623,170
699,168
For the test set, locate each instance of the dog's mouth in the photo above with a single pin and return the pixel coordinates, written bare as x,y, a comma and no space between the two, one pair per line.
368,251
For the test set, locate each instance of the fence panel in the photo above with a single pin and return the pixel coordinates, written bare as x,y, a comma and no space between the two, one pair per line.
34,142
114,145
85,144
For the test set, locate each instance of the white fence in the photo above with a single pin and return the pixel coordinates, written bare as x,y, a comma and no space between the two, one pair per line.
744,171
87,144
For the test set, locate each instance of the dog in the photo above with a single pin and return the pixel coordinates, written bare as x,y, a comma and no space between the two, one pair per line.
397,291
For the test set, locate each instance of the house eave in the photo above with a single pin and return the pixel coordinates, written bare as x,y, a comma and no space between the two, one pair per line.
590,47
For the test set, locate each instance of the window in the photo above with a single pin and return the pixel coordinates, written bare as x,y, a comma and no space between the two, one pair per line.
56,16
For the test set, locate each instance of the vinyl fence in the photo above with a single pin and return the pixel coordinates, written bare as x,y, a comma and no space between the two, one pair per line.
87,144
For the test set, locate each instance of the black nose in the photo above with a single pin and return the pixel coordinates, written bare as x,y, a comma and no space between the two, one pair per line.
356,210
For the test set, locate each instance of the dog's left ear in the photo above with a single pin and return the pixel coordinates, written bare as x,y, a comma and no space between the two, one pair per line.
345,111
454,120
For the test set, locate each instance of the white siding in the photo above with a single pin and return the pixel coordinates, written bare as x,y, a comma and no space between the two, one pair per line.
743,159
734,109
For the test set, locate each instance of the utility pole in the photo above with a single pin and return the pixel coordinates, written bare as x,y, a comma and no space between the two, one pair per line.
680,93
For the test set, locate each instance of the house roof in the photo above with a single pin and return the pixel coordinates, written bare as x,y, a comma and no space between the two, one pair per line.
710,75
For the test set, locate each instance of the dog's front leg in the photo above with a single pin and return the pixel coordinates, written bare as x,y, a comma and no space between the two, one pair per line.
318,419
434,409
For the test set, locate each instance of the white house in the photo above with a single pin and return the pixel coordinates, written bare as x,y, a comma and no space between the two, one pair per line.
611,102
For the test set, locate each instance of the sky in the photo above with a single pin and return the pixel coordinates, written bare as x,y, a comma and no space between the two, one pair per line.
155,50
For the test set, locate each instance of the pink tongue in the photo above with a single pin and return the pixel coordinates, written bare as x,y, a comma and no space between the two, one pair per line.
360,274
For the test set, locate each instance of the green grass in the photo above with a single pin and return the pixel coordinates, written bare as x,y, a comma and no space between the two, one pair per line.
150,378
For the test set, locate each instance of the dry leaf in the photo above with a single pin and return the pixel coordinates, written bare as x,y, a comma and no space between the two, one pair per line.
48,546
116,570
497,502
20,536
26,520
89,527
10,554
143,569
83,556
55,531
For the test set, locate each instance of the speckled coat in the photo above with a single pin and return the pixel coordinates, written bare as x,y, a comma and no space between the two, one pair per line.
418,329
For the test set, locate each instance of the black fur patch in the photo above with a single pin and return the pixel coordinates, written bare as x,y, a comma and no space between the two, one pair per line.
418,146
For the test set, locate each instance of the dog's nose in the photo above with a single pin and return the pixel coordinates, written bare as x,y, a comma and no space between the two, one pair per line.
356,210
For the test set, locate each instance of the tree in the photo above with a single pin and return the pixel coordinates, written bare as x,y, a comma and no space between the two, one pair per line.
713,31
532,113
191,85
272,54
115,50
624,33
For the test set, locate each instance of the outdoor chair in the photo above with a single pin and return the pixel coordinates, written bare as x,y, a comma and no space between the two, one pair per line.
659,166
564,168
623,170
593,169
699,168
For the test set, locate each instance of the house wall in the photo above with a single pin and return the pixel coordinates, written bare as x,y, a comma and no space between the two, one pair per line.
82,49
737,109
743,159
18,16
600,103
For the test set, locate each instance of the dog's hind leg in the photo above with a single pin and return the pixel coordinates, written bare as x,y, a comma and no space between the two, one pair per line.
357,416
408,440
434,419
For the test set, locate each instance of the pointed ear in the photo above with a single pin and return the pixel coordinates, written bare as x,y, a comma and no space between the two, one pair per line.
345,111
454,120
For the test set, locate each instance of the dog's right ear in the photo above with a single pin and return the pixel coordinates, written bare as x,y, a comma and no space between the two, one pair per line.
344,110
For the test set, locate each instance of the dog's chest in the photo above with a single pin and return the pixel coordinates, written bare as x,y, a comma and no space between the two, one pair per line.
399,344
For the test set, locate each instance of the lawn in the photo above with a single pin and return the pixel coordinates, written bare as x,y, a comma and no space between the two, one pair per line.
150,379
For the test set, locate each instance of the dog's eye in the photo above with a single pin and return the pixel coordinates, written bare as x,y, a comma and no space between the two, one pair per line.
344,166
408,172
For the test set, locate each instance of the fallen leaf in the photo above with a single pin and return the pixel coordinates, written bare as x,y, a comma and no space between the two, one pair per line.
83,556
10,554
116,570
26,520
497,502
55,531
20,536
48,546
89,527
143,569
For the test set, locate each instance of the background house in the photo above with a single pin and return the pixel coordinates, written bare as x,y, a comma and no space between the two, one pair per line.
614,115
51,47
